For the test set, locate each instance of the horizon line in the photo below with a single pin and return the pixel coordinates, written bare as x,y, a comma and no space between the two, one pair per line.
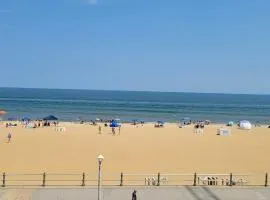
149,91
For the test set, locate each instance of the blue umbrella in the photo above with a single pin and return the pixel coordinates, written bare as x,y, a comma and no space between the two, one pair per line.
50,118
160,122
25,119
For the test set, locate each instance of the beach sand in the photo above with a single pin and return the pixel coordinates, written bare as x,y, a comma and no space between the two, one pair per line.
142,149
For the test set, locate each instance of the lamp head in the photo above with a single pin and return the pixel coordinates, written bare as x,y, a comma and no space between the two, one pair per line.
100,158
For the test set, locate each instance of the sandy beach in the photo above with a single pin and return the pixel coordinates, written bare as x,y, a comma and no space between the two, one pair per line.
142,149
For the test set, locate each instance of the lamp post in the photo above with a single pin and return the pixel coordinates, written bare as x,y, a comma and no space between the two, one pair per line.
100,159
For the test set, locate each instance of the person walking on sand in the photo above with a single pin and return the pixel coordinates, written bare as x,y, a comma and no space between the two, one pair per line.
119,130
113,130
9,137
99,129
134,195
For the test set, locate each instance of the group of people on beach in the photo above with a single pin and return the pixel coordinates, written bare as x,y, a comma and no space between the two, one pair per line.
36,124
113,130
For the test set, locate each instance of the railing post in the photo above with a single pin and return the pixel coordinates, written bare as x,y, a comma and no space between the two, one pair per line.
83,179
266,180
231,181
4,180
44,179
195,179
158,179
121,179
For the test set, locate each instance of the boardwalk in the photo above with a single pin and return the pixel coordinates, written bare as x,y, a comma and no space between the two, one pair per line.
167,193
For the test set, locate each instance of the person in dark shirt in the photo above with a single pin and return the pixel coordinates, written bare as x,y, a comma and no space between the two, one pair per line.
134,195
9,137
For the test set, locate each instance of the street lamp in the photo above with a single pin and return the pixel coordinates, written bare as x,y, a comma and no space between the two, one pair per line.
100,159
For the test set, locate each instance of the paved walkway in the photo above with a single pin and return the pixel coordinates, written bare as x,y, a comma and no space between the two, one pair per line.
162,193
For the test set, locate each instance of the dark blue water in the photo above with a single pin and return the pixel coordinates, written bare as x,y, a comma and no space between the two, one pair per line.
70,105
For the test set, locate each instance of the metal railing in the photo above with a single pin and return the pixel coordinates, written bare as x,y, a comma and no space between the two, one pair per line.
122,179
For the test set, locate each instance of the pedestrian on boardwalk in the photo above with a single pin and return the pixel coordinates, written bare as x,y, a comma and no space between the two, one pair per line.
134,195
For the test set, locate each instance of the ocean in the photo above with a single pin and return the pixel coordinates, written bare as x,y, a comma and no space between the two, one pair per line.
72,105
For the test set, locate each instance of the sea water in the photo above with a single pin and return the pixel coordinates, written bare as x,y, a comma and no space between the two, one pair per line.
71,105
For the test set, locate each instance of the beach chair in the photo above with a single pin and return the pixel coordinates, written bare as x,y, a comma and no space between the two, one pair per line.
60,129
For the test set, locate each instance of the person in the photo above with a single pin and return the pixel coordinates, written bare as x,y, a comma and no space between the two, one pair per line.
134,195
113,130
9,137
119,130
99,129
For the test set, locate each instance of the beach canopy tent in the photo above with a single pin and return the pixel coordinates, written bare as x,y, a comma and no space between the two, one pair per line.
186,120
246,125
50,118
25,119
223,132
159,124
230,123
12,119
114,123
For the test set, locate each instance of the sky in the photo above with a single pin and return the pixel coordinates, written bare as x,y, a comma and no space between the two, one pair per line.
216,46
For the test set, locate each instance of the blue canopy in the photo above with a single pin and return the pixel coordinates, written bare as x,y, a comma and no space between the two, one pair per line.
114,123
160,122
50,118
11,119
25,119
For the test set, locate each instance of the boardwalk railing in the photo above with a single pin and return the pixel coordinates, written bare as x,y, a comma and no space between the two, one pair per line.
122,179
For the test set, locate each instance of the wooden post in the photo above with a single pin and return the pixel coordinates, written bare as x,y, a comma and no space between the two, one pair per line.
4,180
44,179
158,179
83,179
121,179
195,179
231,181
266,180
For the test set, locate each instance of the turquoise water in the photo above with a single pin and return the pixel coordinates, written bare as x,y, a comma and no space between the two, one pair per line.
70,105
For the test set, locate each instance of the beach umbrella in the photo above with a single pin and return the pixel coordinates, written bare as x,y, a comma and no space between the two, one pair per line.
50,118
3,112
25,119
230,123
114,123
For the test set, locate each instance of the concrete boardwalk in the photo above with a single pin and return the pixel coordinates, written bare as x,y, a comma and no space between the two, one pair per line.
161,193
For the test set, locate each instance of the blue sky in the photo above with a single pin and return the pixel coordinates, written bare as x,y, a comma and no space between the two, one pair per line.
158,45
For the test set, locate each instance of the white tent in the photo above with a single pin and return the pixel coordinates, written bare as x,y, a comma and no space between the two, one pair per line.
246,125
